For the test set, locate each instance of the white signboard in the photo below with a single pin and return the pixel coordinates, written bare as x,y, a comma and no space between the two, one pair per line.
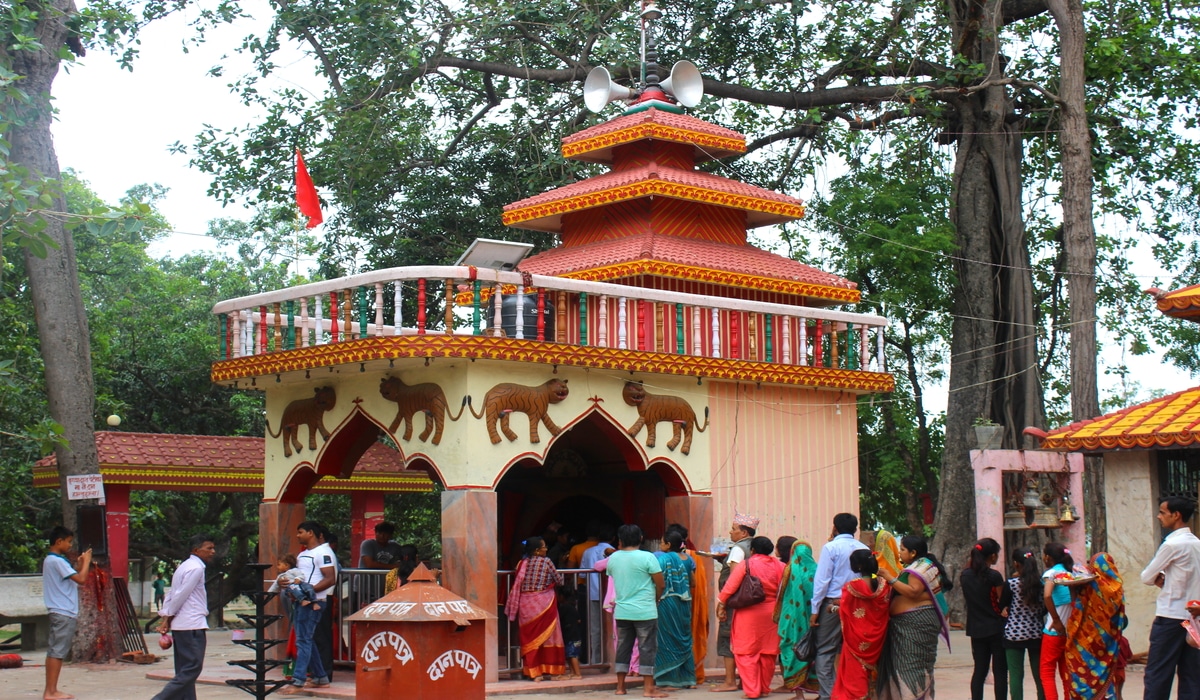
84,486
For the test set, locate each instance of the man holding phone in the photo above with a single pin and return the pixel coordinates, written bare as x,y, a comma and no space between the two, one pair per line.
60,592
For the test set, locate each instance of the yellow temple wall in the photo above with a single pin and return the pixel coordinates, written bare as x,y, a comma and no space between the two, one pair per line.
785,455
1130,498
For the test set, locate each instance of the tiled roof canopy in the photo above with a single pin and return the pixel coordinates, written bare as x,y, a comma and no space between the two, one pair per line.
1170,421
595,144
617,256
164,462
1181,303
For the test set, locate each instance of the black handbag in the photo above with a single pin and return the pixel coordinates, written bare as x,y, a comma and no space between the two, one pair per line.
806,648
750,592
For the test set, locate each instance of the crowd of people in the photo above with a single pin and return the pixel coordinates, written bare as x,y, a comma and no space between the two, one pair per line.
854,623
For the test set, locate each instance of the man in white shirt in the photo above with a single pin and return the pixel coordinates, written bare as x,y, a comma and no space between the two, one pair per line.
318,565
741,532
833,572
1176,570
184,614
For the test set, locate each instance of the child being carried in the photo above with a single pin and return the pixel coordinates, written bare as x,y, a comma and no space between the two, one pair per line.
291,584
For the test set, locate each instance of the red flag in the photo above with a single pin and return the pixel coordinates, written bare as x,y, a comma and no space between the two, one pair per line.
306,194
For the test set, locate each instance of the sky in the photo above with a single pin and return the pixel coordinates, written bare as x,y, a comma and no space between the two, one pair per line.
115,128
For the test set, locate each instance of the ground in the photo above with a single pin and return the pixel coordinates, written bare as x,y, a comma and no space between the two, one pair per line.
130,682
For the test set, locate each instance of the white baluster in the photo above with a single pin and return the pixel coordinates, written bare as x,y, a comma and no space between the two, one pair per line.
785,323
879,357
379,308
716,333
235,335
319,329
520,320
864,348
602,331
247,334
622,331
497,307
398,321
802,347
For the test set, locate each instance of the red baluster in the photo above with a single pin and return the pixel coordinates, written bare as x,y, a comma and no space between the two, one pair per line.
641,324
735,335
229,336
818,341
262,330
333,317
421,307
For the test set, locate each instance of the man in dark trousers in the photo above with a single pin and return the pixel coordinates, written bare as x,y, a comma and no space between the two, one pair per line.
1175,569
317,564
184,614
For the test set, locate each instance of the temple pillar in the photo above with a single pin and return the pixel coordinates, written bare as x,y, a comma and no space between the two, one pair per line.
116,509
366,511
277,524
470,559
696,514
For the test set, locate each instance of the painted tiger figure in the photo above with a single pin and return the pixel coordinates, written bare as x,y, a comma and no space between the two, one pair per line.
310,412
427,398
534,401
656,408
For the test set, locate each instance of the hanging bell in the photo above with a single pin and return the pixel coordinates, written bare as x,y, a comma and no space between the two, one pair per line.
1068,514
1015,520
1033,497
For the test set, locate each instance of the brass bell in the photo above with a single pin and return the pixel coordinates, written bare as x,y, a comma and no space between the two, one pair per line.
1068,514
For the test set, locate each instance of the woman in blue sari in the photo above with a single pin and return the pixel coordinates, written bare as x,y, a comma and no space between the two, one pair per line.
674,666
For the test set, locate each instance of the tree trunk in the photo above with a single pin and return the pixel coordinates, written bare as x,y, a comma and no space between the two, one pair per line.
993,365
1079,244
54,288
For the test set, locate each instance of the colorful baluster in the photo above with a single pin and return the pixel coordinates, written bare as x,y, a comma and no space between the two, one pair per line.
262,330
851,348
602,329
303,322
716,333
818,345
833,344
476,305
519,321
785,324
333,317
289,340
378,309
767,333
583,329
880,365
318,322
697,338
497,312
560,313
347,314
864,349
397,308
448,319
660,326
622,323
641,324
679,329
223,324
752,336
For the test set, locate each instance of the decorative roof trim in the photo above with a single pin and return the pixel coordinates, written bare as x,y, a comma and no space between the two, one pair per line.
512,349
1180,303
783,211
207,479
660,268
649,130
1166,422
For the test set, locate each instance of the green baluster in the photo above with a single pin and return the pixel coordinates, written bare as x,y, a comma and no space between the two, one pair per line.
289,341
767,333
679,329
363,313
224,321
583,318
851,350
475,308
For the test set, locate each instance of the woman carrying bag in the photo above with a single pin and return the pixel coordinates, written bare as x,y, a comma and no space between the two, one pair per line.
755,637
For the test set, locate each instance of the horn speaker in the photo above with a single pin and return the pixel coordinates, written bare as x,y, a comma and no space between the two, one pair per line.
599,89
685,84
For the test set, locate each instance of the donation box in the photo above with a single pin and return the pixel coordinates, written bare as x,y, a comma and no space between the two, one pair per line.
420,641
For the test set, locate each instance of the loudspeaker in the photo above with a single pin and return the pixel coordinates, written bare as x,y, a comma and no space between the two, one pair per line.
91,530
686,84
599,89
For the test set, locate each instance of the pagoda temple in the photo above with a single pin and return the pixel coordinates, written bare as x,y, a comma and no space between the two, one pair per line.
653,368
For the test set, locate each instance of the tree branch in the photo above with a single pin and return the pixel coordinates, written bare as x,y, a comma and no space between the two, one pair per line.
330,71
1016,10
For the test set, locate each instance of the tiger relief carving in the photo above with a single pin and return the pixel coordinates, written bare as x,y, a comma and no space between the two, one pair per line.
424,398
656,408
504,399
310,412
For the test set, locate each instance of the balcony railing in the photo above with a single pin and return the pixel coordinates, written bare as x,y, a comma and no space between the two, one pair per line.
457,300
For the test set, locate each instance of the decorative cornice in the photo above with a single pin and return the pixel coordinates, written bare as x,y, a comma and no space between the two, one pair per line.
201,479
660,132
648,188
1120,442
511,349
661,268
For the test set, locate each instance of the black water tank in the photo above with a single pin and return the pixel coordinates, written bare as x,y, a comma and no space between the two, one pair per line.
508,315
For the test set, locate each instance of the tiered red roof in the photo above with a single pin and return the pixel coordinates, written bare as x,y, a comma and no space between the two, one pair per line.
165,462
655,215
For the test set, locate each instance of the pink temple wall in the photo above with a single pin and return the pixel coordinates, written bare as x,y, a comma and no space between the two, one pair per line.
784,454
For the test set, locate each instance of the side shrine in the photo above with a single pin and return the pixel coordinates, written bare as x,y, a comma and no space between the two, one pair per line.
654,367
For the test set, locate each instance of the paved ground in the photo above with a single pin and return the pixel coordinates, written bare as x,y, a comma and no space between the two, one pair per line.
131,682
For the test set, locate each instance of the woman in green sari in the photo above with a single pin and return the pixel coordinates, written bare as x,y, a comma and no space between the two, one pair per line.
792,613
675,667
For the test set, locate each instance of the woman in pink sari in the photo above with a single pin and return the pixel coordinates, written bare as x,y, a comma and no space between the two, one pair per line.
755,637
533,603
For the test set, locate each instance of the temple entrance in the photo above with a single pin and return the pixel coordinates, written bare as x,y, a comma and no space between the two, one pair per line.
592,472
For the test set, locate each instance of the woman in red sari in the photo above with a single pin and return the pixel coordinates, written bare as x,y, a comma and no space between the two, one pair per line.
755,638
864,612
533,603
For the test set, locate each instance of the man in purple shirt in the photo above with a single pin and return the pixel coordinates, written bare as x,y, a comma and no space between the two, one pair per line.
185,615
